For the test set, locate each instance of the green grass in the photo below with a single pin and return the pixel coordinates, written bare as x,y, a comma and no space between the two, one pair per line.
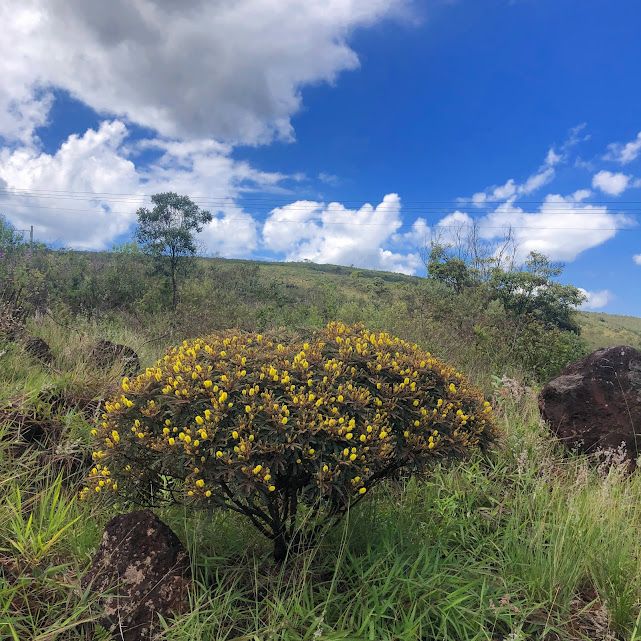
608,330
527,544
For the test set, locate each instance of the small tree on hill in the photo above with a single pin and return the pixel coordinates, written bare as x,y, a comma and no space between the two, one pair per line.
166,232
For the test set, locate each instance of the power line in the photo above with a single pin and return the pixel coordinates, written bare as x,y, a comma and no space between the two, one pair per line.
432,211
381,209
87,195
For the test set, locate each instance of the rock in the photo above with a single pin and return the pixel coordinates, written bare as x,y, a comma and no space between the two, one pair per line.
105,354
595,403
38,348
144,566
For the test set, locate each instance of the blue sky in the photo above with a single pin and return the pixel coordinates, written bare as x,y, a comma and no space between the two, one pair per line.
350,132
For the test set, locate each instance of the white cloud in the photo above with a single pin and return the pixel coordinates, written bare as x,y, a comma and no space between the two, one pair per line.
610,183
329,179
624,153
100,162
544,175
536,181
511,189
553,158
637,259
307,230
596,300
193,69
561,229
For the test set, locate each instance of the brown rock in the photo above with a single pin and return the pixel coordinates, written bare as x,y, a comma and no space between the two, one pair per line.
144,566
595,403
38,348
105,354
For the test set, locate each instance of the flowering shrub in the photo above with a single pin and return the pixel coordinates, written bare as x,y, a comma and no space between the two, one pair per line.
239,421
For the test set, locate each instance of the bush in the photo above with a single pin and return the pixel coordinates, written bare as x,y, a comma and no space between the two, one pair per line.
241,421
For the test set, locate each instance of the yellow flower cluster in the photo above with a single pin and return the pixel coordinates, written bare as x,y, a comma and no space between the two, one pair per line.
239,414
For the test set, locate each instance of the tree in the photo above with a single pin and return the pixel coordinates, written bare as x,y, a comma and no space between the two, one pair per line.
9,237
532,294
167,232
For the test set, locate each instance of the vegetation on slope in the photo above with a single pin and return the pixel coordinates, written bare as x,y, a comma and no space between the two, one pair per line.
528,544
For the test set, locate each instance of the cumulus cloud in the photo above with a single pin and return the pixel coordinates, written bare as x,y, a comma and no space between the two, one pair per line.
331,233
561,228
624,153
193,69
100,163
637,259
611,183
596,300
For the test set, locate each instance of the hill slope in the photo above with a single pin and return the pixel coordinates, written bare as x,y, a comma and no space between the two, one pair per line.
607,330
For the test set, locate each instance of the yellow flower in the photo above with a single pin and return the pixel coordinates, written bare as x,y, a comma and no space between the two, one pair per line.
207,384
352,457
311,450
234,434
219,454
362,490
208,493
172,441
272,488
199,420
284,421
200,483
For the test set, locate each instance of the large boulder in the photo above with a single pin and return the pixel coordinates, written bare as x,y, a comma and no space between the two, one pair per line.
105,353
145,569
595,403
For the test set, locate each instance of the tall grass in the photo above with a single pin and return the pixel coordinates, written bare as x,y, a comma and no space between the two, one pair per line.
528,544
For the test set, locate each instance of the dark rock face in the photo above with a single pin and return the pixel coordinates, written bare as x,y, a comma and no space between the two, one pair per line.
105,354
595,403
145,567
38,348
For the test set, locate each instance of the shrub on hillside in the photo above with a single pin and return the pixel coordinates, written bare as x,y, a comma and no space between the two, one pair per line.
241,421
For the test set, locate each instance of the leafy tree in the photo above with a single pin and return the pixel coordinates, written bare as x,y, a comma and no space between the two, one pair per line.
9,237
531,293
453,272
166,232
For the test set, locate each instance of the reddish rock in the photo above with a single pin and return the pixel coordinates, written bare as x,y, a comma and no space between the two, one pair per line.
145,568
595,403
105,354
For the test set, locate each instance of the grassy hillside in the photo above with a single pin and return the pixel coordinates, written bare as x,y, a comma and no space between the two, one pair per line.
607,330
505,547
